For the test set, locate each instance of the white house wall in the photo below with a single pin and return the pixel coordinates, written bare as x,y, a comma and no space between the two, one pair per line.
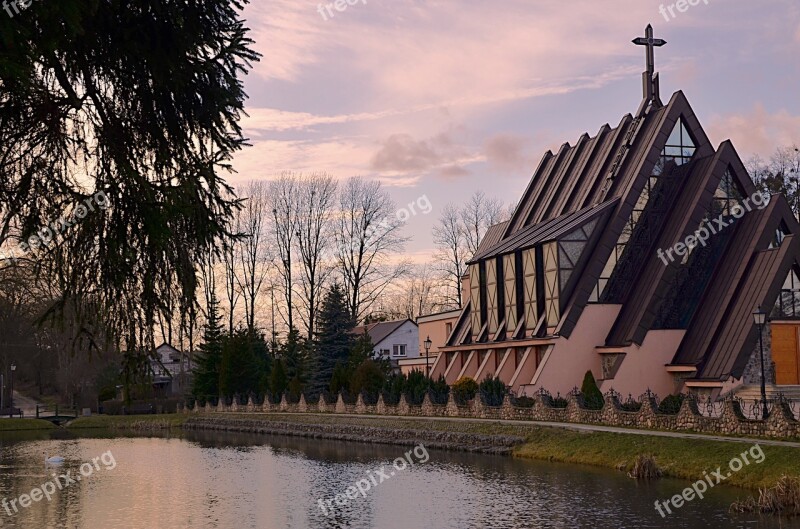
408,334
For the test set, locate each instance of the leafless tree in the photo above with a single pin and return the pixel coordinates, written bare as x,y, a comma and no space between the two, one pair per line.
368,236
451,251
316,201
458,234
255,250
418,294
230,251
477,215
283,202
780,174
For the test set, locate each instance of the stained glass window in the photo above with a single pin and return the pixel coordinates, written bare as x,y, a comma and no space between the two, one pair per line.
680,148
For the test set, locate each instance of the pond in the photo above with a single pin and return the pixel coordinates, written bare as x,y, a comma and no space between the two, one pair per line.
205,479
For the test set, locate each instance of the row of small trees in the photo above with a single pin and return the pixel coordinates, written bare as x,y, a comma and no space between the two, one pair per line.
335,360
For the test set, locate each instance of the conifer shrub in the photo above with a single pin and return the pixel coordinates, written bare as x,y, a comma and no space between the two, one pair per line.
671,405
415,388
439,391
368,380
492,390
592,397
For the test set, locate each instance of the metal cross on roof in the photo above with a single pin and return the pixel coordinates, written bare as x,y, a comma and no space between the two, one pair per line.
650,77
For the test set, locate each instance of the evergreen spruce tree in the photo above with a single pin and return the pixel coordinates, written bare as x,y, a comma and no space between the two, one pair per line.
294,355
209,356
333,338
142,100
242,363
278,380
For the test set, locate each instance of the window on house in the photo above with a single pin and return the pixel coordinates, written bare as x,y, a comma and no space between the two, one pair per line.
399,350
385,352
448,328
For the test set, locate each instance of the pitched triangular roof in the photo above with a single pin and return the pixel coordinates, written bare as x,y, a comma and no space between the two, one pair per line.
379,331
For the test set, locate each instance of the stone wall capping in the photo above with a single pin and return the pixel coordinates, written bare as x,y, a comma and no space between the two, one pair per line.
781,422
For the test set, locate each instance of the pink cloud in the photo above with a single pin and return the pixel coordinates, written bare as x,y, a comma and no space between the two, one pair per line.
756,131
508,152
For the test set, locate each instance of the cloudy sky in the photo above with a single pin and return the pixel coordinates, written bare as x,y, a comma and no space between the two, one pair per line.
445,97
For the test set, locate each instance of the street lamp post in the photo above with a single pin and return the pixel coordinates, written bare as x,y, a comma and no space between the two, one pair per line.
760,318
427,343
11,396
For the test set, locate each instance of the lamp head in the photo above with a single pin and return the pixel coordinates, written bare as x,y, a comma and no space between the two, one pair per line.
759,316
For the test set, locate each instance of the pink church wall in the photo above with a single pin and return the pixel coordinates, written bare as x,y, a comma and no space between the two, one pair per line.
470,366
564,367
644,367
490,363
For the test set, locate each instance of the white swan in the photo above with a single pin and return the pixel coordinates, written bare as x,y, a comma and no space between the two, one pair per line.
52,460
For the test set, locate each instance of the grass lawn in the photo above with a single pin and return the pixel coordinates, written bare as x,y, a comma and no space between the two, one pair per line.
14,425
133,422
679,458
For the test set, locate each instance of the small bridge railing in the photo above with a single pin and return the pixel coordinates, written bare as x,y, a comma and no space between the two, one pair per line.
55,412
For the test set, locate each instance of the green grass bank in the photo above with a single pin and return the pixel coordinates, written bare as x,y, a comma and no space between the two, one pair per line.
21,425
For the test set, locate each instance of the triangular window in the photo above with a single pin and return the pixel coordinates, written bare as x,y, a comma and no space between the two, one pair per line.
727,195
780,235
788,303
680,147
571,248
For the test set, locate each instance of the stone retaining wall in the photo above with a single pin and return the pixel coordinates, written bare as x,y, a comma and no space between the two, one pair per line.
780,423
396,435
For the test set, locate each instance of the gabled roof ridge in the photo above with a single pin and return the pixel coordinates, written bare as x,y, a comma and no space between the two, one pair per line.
547,230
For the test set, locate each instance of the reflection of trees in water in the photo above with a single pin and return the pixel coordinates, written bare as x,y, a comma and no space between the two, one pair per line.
23,469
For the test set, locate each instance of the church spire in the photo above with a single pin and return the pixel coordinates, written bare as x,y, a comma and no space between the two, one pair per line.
650,77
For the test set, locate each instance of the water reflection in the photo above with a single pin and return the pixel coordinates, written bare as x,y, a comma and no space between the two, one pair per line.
212,479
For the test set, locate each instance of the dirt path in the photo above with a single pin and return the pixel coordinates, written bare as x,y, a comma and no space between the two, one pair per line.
26,404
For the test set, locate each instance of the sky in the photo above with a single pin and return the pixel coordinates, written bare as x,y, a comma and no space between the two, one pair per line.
441,98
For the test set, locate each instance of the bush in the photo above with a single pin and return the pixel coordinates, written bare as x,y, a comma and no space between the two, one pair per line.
645,467
367,378
631,405
347,397
464,389
671,405
393,386
329,398
141,407
416,385
439,391
592,398
523,402
492,390
558,402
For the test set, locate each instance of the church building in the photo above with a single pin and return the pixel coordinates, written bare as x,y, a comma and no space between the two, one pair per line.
640,253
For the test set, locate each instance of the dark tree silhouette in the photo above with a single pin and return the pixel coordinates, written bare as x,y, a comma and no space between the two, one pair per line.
138,100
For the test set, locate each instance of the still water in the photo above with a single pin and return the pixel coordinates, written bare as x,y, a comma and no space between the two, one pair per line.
245,481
